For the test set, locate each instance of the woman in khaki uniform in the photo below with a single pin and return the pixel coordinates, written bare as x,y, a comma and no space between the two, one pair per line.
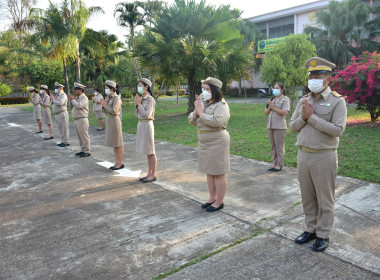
36,99
46,113
145,107
211,118
277,109
97,108
114,135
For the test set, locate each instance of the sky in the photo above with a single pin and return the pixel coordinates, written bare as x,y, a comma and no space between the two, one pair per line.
250,8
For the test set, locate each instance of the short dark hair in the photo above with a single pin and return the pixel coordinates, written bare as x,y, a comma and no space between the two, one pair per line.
216,93
97,90
81,89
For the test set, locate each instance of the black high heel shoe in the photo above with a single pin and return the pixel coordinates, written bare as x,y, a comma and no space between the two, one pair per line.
276,170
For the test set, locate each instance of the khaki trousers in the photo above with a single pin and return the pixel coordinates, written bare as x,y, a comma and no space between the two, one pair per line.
277,142
81,127
62,120
317,174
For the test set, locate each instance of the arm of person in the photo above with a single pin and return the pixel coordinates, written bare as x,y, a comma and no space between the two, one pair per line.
297,122
82,103
192,118
60,101
115,109
148,112
218,119
267,111
338,121
285,108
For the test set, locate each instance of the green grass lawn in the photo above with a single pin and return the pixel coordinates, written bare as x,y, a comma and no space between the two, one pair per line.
358,150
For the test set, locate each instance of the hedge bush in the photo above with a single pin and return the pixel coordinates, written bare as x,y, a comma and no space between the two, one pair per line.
14,100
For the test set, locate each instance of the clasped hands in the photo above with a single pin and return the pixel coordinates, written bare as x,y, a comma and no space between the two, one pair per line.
138,99
307,109
198,106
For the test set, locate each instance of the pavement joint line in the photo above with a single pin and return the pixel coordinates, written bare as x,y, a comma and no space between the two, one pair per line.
353,210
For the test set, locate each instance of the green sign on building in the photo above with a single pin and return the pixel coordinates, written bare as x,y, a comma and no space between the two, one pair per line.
267,45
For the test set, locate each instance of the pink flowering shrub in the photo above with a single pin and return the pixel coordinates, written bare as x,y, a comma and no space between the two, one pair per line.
360,82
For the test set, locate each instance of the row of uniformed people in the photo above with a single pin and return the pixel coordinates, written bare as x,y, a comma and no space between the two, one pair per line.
111,107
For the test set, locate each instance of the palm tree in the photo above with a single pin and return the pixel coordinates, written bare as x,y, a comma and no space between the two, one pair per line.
127,15
345,31
54,34
192,40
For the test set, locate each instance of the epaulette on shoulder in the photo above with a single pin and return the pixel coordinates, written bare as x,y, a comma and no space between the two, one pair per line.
336,94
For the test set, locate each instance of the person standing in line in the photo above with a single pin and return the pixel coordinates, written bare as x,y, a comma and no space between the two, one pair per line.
97,108
36,100
319,119
114,134
145,108
46,113
277,109
211,118
61,115
79,113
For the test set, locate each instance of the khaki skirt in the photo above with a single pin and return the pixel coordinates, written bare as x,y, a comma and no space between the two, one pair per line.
46,115
214,152
145,138
114,134
99,114
37,112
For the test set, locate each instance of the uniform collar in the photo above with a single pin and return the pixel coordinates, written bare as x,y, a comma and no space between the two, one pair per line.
146,96
325,93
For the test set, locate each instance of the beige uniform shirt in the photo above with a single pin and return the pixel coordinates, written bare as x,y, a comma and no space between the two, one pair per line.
323,128
35,98
97,106
113,105
45,101
276,120
145,111
60,103
80,107
215,116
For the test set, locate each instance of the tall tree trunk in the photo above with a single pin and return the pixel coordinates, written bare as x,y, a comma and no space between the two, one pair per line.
239,83
65,73
138,74
194,88
78,66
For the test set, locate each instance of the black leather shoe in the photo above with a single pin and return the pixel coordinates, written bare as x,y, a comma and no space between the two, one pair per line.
320,244
276,170
142,178
117,168
146,180
206,204
48,138
80,153
39,132
85,155
112,167
61,145
305,237
270,169
212,209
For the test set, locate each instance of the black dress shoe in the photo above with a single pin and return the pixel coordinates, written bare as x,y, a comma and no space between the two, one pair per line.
112,167
117,168
85,155
142,178
48,138
39,132
320,244
212,209
270,169
206,204
146,180
276,170
98,129
80,153
305,237
60,144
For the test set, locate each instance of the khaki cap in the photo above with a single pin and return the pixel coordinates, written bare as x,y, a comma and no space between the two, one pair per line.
58,85
146,81
110,83
30,89
317,65
78,85
213,81
44,87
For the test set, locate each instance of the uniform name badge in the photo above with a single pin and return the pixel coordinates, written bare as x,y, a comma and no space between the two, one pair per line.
325,104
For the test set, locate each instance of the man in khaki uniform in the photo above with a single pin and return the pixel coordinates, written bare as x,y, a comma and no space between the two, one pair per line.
61,115
319,119
79,107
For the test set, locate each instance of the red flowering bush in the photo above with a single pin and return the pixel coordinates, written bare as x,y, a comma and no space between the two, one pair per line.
360,82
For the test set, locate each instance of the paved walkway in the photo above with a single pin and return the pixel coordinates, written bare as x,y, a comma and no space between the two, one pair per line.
64,217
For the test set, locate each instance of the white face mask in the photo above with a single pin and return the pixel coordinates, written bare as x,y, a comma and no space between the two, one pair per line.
95,93
41,91
108,92
206,95
56,90
315,85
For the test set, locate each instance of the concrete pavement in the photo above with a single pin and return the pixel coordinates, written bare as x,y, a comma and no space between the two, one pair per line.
64,217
